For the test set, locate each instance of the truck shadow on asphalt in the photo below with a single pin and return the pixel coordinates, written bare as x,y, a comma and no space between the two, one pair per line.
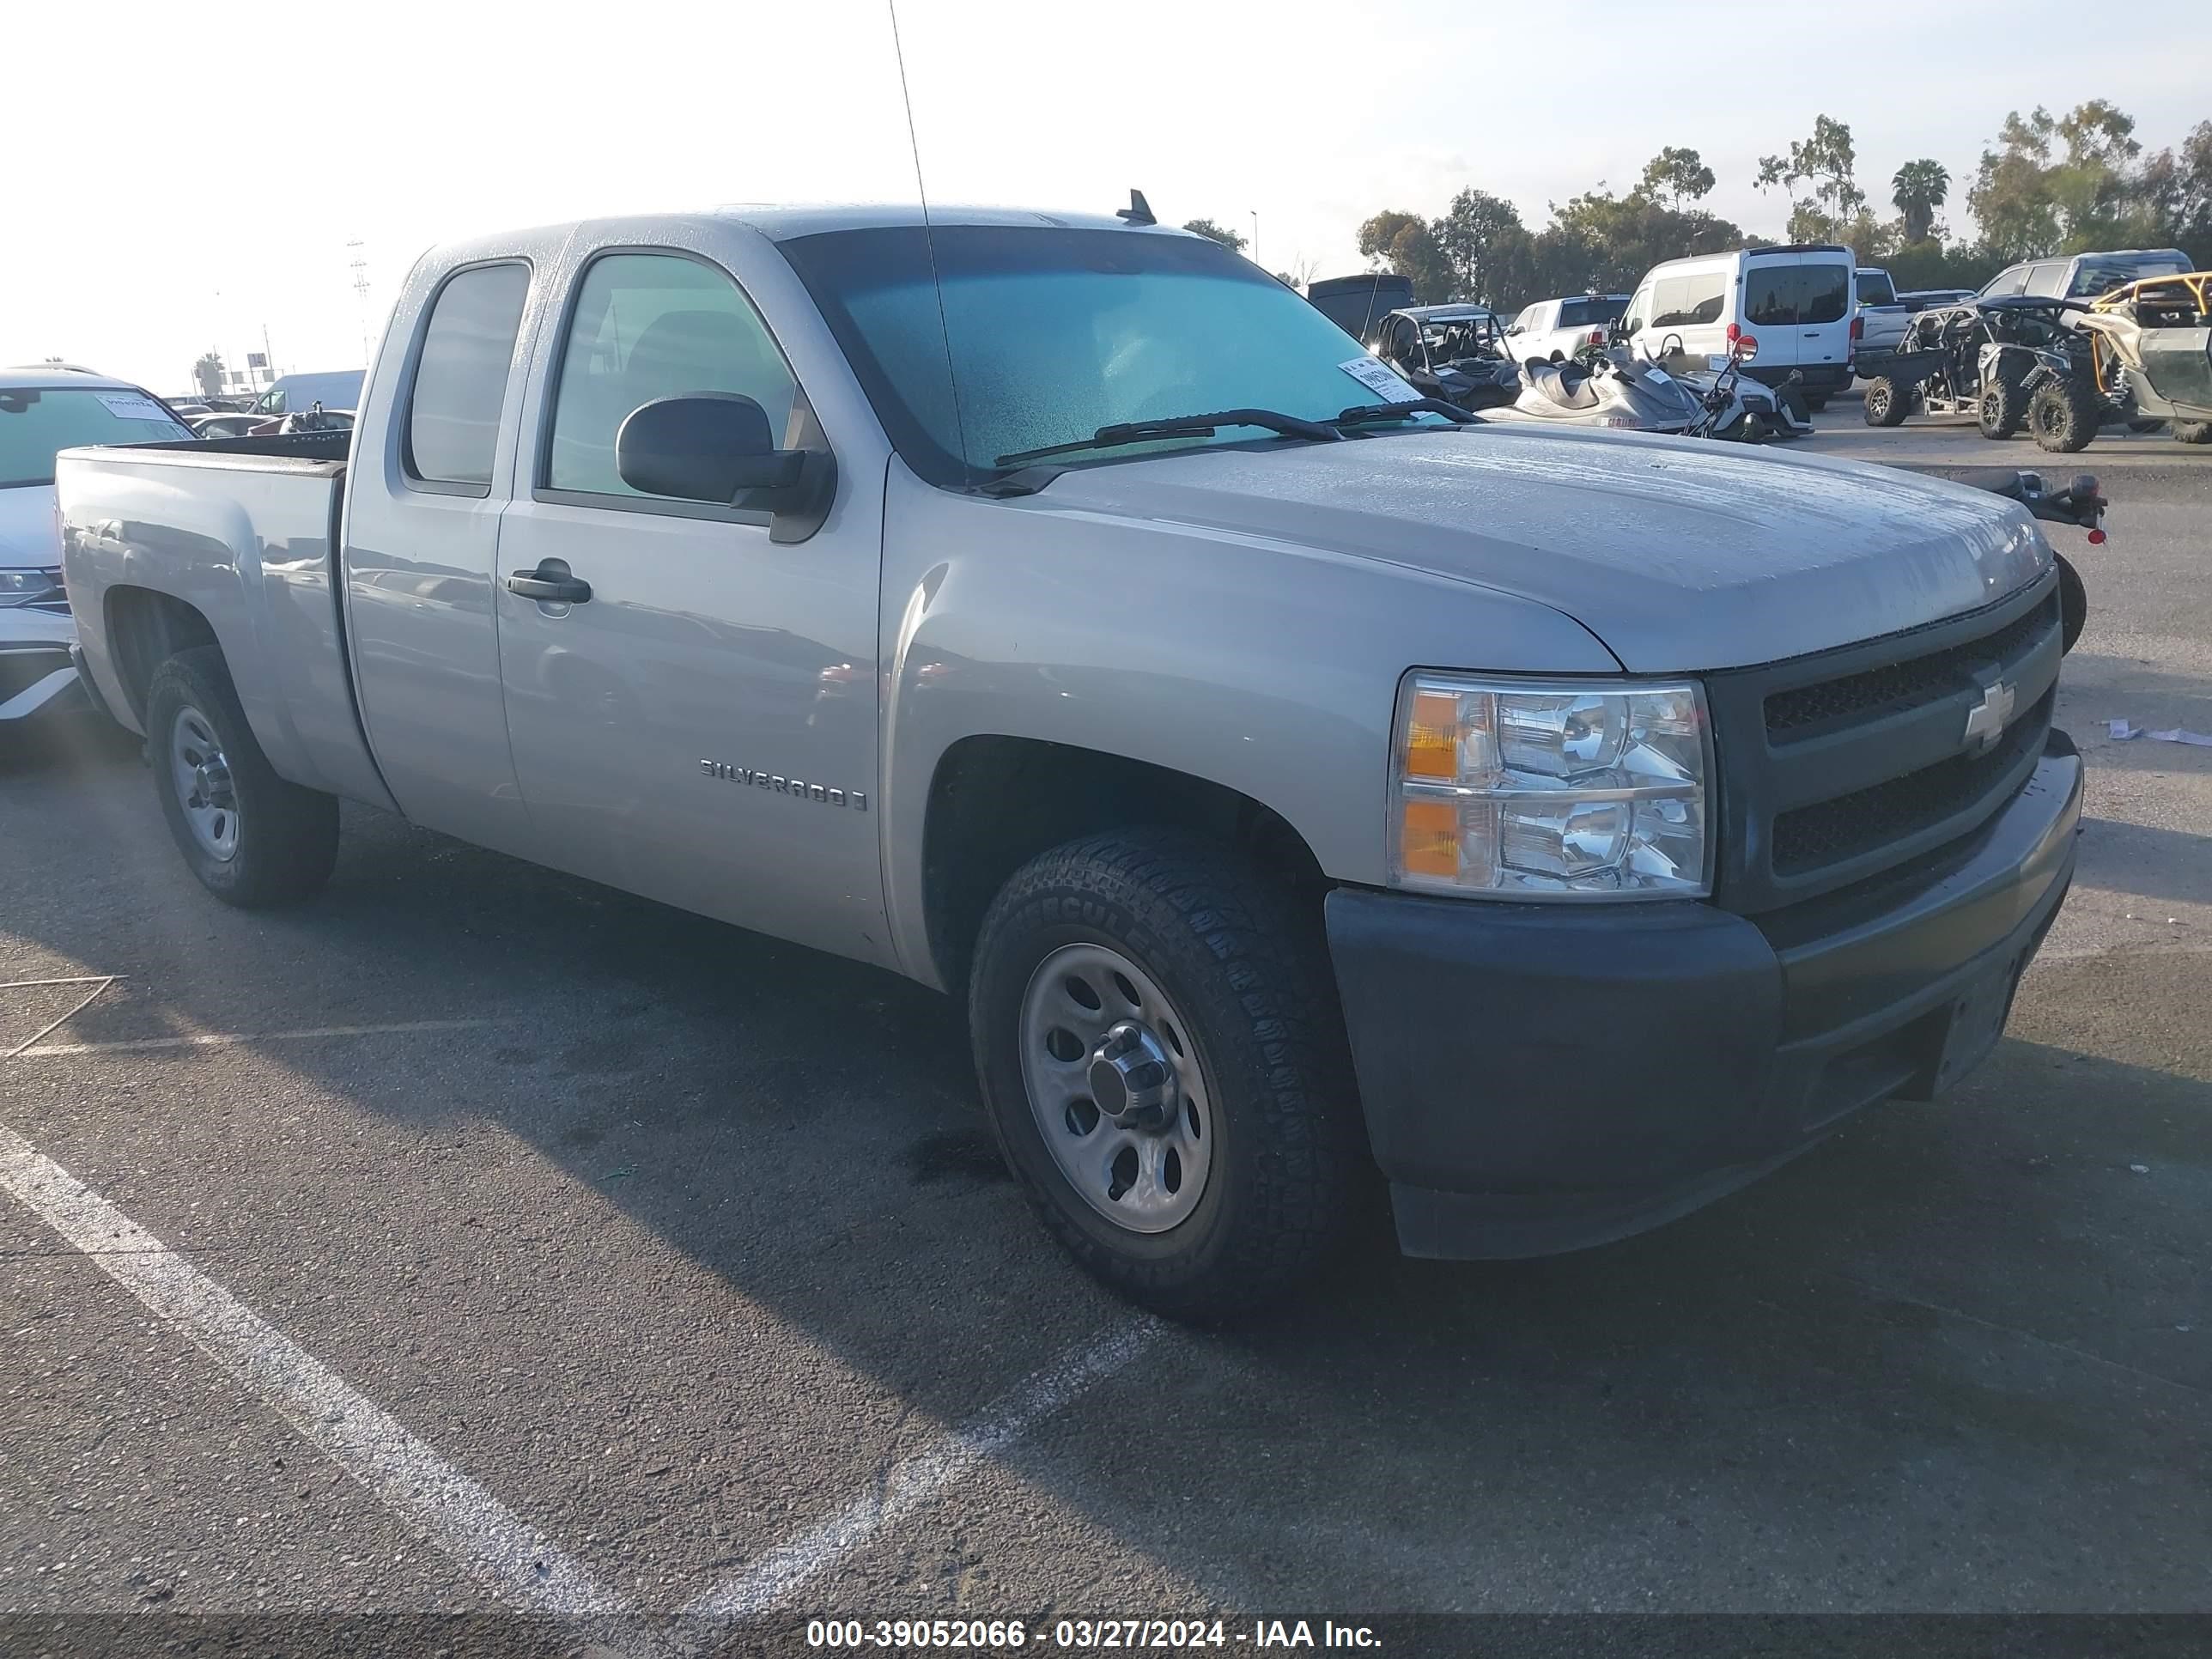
1997,1294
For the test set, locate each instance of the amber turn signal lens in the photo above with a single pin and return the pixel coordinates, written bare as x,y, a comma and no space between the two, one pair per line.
1429,844
1432,738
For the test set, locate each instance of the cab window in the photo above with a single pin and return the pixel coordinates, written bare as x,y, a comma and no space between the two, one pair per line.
651,326
460,379
2048,278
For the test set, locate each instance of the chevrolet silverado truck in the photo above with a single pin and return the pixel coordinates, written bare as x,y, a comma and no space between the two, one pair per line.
1304,789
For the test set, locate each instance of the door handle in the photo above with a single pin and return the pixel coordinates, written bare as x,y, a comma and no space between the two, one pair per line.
551,583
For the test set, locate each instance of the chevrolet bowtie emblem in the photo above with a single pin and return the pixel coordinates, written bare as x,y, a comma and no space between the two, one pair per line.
1986,720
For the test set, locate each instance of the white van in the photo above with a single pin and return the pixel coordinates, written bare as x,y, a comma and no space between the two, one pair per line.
1795,301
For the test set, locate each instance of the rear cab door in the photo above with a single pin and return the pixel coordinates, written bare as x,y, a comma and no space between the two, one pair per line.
431,475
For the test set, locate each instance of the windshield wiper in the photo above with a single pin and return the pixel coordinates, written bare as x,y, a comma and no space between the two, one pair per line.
1367,414
1180,426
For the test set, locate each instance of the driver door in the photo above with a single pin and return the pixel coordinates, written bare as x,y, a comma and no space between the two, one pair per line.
701,729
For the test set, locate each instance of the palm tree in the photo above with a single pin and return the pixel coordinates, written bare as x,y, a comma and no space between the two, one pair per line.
208,371
1920,188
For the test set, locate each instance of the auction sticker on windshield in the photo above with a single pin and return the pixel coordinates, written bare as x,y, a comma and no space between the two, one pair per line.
128,406
1380,378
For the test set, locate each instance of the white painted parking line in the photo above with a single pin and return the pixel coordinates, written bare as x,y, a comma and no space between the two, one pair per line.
232,1039
914,1481
516,1562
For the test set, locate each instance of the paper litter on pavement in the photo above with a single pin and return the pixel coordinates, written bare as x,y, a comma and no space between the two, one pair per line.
2202,740
2121,730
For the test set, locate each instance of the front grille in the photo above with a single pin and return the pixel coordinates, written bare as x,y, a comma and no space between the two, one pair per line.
1807,711
1844,765
1836,831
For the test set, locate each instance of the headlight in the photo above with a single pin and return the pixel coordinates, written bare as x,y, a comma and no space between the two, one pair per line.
1532,789
25,587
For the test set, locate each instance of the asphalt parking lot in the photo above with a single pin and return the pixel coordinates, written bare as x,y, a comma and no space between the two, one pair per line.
474,1237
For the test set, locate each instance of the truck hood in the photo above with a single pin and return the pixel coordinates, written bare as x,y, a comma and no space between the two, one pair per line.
27,528
1679,554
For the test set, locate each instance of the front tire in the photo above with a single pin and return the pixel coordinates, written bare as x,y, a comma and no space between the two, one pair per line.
2002,408
2062,417
1163,1063
1887,404
2192,432
249,837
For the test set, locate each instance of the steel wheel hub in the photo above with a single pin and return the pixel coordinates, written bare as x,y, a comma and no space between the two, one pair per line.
1116,1086
201,773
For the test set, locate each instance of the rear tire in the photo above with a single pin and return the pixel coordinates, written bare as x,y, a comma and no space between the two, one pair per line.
2062,417
2192,432
2002,410
1228,989
1887,403
249,837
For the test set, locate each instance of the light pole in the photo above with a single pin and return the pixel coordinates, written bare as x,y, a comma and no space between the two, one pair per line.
1255,212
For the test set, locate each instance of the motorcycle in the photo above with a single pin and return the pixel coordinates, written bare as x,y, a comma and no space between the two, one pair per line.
2080,504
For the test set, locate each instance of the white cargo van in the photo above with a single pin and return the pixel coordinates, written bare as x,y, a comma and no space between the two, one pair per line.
1795,301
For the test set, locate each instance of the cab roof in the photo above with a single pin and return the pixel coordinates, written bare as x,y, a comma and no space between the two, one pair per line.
46,375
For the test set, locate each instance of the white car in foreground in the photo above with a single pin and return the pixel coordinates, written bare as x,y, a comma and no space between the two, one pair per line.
1552,331
43,410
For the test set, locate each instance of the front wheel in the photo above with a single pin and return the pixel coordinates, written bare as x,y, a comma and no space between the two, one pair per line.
2062,417
1163,1066
2002,409
2192,432
249,837
1887,404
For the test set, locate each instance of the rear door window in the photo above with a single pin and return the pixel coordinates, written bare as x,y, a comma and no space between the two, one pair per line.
1770,295
2048,278
1824,293
2006,282
460,381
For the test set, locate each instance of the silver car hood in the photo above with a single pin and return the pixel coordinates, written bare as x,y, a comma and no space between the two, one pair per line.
27,528
1679,554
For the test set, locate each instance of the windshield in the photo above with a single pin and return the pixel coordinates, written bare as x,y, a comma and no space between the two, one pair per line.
1055,333
36,422
2095,277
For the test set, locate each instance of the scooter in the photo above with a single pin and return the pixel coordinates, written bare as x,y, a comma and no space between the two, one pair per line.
1734,409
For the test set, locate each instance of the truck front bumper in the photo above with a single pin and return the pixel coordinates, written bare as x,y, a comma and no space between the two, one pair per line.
1542,1077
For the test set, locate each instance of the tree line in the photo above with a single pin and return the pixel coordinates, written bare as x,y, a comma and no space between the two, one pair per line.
2048,185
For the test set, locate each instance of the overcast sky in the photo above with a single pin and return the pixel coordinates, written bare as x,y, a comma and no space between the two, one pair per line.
180,176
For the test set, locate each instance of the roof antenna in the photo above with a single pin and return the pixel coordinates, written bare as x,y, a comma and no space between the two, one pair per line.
929,239
1138,212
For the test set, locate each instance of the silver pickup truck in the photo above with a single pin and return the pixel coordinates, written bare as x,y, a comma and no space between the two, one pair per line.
1293,782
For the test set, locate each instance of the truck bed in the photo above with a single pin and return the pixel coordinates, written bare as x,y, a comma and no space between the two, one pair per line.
245,533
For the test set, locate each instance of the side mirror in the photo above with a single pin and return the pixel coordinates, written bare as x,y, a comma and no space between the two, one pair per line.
716,446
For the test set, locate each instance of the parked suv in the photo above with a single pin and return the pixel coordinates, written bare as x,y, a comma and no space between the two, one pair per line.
2085,276
1554,330
1797,302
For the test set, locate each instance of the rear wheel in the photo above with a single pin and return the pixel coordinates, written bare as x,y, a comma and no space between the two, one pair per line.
2192,432
2002,408
2062,417
248,836
1887,403
1164,1069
